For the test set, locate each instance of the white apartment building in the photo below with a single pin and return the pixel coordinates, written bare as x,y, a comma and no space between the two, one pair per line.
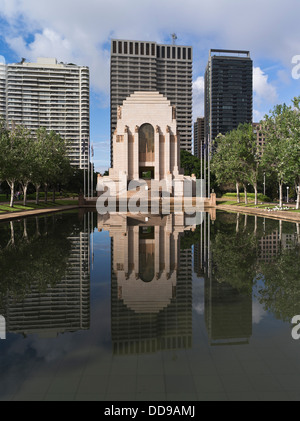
51,95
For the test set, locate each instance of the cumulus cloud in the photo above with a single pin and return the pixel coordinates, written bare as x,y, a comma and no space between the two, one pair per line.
258,312
198,97
82,31
263,89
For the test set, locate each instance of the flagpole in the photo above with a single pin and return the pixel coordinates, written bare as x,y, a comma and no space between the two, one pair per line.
92,172
88,170
83,153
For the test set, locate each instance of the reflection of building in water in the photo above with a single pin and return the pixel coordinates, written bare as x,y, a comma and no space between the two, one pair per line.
269,246
272,244
228,312
151,283
64,307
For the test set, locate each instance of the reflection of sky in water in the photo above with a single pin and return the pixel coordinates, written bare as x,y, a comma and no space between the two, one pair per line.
76,353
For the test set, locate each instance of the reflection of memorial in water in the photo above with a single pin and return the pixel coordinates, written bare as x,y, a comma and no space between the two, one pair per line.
63,306
151,282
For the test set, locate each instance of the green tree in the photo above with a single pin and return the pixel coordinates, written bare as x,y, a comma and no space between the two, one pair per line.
190,163
279,150
28,155
294,140
11,149
224,164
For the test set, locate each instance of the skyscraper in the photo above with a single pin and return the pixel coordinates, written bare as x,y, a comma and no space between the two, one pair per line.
2,90
199,129
148,66
51,95
228,91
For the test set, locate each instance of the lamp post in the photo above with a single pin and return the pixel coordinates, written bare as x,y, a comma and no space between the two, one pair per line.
287,195
264,183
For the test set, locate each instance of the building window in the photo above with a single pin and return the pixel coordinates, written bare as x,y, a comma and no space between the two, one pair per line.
179,53
120,47
114,47
131,48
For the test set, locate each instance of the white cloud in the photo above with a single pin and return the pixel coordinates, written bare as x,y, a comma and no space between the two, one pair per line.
258,116
198,97
258,312
81,32
263,89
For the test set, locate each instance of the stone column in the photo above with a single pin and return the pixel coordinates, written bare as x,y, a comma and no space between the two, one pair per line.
136,160
157,255
156,148
136,247
126,150
126,247
167,152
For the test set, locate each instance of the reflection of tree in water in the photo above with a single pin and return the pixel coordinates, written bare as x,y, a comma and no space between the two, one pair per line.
33,252
280,292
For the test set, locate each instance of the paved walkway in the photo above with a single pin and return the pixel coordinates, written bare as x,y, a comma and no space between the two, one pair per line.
35,212
283,215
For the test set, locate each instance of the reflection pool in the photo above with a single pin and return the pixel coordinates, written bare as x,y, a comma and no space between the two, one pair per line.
125,307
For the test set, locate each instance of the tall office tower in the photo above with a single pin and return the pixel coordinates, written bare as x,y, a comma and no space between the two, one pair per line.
51,95
199,128
228,91
2,90
148,66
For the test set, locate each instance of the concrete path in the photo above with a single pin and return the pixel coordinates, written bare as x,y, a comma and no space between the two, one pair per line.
35,212
283,215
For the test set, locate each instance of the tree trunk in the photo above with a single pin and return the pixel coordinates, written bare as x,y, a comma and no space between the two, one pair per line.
25,187
37,194
12,235
280,195
246,195
298,232
255,224
37,227
255,191
12,193
298,197
46,193
25,233
245,222
237,222
238,199
53,197
280,231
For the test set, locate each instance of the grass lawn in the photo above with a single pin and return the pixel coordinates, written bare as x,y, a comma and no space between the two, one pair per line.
42,205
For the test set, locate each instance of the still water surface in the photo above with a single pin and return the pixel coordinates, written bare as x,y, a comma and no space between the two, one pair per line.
164,308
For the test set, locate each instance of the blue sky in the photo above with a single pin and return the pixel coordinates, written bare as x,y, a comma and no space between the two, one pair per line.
80,32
